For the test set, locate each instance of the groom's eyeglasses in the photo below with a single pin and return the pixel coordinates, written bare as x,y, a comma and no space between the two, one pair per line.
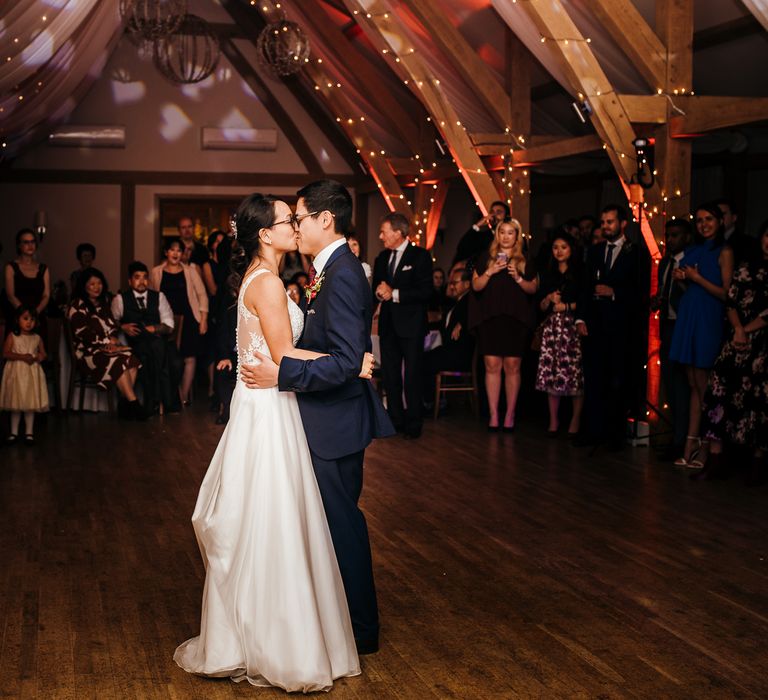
295,220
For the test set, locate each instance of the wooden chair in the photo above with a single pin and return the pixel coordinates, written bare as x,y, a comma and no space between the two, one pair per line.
79,378
457,382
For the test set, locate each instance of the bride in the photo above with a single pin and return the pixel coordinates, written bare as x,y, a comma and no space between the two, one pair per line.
274,611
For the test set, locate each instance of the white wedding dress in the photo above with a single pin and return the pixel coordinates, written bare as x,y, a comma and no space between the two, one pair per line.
274,611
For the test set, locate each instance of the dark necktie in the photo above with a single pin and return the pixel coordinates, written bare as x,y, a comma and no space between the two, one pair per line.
665,292
609,256
392,265
142,304
312,275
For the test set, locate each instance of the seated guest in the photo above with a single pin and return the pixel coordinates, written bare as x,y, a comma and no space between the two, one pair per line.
302,279
678,234
86,255
147,321
560,370
294,291
185,291
98,353
439,299
457,344
735,406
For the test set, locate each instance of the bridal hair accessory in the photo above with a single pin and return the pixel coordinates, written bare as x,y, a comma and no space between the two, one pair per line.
312,290
233,227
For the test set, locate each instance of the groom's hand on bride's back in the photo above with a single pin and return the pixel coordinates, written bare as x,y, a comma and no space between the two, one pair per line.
262,375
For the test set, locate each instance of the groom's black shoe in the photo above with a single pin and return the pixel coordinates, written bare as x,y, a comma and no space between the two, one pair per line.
366,646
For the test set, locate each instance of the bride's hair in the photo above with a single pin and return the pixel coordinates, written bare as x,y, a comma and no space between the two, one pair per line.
256,211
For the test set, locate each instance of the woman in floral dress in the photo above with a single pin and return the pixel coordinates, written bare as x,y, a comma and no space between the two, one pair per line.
560,370
735,408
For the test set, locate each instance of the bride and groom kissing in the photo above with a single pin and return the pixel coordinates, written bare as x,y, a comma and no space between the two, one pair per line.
289,597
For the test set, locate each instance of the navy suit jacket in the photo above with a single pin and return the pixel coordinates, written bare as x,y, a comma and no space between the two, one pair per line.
341,412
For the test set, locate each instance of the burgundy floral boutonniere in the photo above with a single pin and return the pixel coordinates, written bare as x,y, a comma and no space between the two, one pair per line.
312,290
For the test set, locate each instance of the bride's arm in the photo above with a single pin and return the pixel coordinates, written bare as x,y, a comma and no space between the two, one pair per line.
266,297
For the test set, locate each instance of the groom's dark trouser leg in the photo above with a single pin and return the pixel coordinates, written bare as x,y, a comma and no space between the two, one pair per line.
341,482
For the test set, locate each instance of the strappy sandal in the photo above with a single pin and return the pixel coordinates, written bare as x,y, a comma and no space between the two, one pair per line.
691,461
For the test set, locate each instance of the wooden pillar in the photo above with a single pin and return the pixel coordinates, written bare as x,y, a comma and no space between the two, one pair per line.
517,79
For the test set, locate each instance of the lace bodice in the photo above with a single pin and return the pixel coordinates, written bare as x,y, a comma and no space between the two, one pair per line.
249,335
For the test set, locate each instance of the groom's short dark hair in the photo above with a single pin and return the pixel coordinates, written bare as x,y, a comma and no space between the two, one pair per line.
332,196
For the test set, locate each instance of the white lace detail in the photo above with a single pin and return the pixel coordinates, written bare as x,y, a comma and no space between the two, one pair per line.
248,326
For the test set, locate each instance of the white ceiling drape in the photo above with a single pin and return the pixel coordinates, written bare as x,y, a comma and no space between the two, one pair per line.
61,49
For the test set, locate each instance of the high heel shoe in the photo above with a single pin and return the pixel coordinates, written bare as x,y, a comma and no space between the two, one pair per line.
692,461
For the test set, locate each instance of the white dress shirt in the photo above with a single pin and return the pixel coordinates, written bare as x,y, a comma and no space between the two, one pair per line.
398,253
166,314
617,246
322,257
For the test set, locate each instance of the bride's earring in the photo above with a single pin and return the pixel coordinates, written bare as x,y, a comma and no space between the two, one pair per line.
265,237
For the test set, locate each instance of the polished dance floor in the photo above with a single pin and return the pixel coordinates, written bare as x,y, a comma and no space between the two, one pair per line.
508,566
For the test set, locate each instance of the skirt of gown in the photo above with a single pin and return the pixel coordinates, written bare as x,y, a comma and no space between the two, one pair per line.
274,611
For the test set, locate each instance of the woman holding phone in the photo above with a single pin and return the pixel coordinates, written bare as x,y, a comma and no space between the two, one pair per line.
503,316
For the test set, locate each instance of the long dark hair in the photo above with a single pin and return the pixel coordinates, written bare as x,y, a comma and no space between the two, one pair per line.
711,208
82,281
574,262
18,313
256,211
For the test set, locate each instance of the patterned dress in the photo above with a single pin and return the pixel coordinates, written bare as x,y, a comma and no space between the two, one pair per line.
91,333
560,371
735,407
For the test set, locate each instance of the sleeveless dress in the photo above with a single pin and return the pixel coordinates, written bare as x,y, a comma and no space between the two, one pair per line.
698,334
23,387
274,611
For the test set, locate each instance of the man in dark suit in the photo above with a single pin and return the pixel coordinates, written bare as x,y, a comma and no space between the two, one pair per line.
341,413
402,282
678,235
745,248
146,318
613,324
480,235
457,344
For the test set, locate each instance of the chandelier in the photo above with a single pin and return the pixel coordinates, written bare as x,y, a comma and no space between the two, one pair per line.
150,20
282,48
189,55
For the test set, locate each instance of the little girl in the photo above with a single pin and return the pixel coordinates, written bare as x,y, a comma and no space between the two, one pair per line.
23,387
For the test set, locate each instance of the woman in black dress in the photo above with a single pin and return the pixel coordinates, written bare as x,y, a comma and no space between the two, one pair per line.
501,311
186,293
27,281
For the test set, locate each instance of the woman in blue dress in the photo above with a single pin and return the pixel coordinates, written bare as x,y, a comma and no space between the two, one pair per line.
706,272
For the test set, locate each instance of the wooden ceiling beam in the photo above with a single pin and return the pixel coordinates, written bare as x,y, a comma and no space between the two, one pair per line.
645,109
632,33
473,69
557,149
705,113
759,8
377,19
588,80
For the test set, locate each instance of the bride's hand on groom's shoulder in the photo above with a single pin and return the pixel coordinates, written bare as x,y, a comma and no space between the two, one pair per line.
366,371
262,375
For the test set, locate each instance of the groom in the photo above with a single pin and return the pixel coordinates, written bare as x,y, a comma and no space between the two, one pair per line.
341,413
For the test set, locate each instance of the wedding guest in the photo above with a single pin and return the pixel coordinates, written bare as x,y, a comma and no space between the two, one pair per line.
560,371
293,263
86,256
705,271
226,363
98,353
302,279
745,248
402,283
503,316
146,318
476,241
678,234
439,301
294,292
735,405
215,275
27,281
23,390
354,246
193,251
457,344
185,291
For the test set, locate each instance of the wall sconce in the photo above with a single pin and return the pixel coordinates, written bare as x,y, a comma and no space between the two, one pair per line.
40,225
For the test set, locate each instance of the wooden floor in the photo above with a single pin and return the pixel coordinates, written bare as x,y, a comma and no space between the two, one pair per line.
507,567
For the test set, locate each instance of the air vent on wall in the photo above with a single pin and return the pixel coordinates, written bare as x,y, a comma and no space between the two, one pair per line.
90,136
237,139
